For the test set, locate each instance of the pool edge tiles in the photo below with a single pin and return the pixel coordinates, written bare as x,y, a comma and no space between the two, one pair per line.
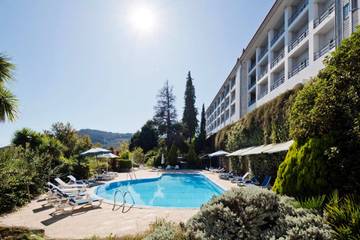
166,202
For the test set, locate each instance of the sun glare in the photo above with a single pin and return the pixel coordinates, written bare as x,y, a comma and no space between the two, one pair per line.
143,19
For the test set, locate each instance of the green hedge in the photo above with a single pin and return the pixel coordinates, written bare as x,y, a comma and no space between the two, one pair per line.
124,164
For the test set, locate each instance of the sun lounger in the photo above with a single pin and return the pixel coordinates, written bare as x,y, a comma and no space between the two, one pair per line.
63,184
86,201
87,182
226,176
238,179
177,167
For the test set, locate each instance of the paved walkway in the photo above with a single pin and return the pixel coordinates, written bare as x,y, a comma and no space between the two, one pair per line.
99,221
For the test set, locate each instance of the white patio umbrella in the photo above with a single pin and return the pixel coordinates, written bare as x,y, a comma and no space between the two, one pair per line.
95,152
107,156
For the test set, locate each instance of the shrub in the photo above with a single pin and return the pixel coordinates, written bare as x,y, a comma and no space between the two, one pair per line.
124,164
304,171
192,157
329,108
138,156
263,165
254,213
162,230
343,214
172,155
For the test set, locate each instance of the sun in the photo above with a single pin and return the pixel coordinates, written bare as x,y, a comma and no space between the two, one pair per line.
142,19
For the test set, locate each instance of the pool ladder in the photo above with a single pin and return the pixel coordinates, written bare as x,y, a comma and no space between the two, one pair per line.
123,204
131,175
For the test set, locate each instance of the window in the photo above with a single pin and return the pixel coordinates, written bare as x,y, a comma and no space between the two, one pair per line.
346,10
232,110
354,4
232,96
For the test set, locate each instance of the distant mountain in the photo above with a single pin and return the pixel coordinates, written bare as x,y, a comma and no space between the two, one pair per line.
106,139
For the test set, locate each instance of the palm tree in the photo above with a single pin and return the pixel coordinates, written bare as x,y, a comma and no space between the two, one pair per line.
8,102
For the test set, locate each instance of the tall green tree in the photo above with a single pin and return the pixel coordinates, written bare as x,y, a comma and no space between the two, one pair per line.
200,144
8,102
147,138
190,112
165,112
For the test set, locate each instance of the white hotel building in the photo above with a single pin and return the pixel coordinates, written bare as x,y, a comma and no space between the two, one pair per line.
288,48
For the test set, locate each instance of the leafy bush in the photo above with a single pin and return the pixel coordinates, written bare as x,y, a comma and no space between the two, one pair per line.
10,233
124,164
263,165
314,203
304,171
254,213
327,108
172,156
137,155
162,230
192,157
343,214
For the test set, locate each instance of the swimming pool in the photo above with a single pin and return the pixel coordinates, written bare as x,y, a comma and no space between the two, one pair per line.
168,190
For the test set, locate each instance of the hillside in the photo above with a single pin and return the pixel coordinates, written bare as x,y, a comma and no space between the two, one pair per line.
106,139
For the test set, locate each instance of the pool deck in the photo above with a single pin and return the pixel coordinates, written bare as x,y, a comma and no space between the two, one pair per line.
101,221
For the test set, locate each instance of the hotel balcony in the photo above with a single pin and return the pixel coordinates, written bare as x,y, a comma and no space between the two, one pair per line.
300,66
262,53
324,50
278,34
278,58
298,39
324,15
262,94
252,81
277,82
263,73
298,11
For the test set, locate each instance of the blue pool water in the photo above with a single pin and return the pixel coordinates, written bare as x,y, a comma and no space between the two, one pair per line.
169,190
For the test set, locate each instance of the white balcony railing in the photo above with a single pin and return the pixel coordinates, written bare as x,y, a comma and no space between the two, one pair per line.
278,34
252,66
298,40
278,58
262,94
324,15
262,53
277,82
263,73
298,11
303,64
324,50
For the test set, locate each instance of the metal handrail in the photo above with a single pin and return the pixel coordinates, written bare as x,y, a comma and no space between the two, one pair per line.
263,73
123,194
279,33
324,50
299,38
251,83
262,94
279,57
324,15
263,53
298,11
278,82
299,67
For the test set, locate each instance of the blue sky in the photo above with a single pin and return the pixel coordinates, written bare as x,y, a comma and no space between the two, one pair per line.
83,61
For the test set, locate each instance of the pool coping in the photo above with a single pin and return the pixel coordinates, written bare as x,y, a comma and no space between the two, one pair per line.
110,202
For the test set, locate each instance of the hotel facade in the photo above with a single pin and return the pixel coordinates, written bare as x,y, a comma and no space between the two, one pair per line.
288,48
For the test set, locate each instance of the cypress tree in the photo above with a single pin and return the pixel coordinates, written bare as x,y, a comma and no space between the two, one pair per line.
190,112
201,138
